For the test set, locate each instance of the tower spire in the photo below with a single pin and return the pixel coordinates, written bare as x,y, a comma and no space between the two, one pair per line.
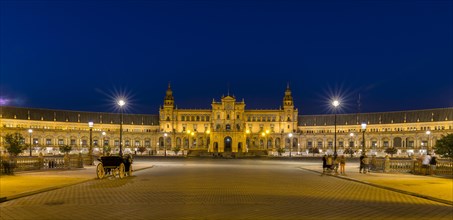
288,99
228,88
169,101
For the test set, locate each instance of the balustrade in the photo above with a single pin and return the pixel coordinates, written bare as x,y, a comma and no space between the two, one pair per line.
41,163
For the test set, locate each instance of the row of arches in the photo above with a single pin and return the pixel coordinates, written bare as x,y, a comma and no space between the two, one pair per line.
199,142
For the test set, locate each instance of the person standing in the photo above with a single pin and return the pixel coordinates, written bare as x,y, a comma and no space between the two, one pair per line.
425,164
361,162
433,164
342,164
324,164
336,163
366,162
329,163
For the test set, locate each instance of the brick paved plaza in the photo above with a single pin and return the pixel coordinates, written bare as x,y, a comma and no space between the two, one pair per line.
223,189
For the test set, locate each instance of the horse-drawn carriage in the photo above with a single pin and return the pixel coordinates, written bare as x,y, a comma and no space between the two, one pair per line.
114,165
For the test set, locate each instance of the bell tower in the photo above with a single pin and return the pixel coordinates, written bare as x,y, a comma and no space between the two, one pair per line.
169,101
288,99
289,113
167,112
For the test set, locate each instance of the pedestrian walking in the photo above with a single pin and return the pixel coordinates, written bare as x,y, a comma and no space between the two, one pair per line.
342,164
433,164
324,163
329,163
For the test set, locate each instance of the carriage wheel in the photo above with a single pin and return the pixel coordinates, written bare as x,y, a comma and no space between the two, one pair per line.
121,171
129,173
100,171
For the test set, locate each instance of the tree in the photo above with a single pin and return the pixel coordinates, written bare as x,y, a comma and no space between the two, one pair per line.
65,149
444,146
391,151
15,144
176,150
280,151
349,151
141,149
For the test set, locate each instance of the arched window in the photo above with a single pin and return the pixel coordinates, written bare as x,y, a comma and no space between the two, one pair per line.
178,142
397,142
228,127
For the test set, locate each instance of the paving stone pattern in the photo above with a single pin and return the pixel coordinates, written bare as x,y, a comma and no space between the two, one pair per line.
223,189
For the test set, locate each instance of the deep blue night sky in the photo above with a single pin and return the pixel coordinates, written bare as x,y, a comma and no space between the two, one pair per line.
77,55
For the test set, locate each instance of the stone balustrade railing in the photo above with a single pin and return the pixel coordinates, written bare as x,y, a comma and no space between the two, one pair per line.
17,164
443,167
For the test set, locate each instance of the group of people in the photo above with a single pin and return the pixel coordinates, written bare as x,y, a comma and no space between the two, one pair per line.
428,164
330,163
367,164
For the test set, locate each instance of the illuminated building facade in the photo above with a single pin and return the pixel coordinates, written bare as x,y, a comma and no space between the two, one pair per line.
228,127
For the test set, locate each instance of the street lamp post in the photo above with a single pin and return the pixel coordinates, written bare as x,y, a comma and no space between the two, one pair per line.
165,144
363,137
350,147
90,151
103,143
263,134
184,143
290,135
121,103
335,104
30,131
193,142
207,138
427,144
247,140
267,139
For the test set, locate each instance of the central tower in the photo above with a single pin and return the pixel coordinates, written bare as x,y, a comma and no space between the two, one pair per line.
228,125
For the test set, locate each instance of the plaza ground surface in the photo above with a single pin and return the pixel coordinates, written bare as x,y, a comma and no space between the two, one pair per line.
225,189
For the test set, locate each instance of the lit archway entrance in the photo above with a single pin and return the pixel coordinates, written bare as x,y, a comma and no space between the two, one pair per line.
216,147
227,143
